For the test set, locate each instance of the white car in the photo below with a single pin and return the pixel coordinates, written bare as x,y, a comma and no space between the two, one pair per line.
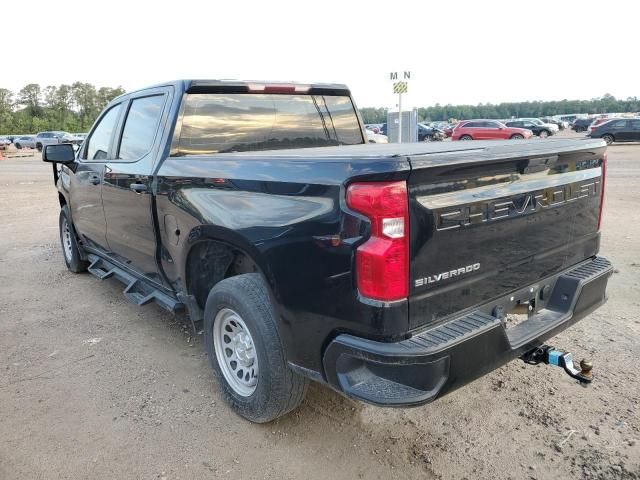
549,126
376,137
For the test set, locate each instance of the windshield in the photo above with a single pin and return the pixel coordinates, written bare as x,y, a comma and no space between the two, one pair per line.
223,122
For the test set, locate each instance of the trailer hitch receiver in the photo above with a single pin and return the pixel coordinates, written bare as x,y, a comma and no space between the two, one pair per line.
551,356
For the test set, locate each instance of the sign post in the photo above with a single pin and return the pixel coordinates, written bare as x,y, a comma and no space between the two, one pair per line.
400,87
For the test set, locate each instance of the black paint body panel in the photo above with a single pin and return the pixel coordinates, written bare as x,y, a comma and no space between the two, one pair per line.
286,211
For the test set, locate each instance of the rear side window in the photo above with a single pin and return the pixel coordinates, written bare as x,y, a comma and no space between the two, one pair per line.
635,125
618,124
471,125
98,145
140,127
219,123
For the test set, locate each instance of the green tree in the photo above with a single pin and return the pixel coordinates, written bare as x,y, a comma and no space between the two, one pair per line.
29,98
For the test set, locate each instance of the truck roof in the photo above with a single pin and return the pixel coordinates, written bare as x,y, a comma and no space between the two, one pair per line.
204,85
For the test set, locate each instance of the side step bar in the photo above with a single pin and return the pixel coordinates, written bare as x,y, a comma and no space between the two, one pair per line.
137,291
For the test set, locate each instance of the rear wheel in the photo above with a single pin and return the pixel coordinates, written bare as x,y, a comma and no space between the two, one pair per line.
70,248
466,137
18,146
39,146
516,136
544,134
608,138
427,138
245,350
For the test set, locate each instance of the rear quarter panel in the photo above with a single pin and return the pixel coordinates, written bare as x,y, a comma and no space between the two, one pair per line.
289,216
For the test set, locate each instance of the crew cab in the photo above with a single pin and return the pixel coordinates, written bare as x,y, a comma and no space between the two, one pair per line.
304,253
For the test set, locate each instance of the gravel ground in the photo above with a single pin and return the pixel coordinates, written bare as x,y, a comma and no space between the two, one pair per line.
94,387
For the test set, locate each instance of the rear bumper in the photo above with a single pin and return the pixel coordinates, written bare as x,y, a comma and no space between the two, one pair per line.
436,361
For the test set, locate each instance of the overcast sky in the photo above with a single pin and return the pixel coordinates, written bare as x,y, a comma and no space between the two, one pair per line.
457,51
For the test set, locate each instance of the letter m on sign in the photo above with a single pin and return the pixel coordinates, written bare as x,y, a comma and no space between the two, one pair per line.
393,76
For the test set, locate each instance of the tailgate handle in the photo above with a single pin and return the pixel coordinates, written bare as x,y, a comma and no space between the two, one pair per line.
534,165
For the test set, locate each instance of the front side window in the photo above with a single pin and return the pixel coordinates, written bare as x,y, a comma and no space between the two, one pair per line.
140,127
227,122
98,144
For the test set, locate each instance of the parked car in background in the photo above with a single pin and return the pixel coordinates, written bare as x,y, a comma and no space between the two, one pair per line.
600,121
617,130
429,134
374,127
540,130
49,138
72,138
549,126
448,131
488,130
581,124
373,137
559,123
25,141
4,142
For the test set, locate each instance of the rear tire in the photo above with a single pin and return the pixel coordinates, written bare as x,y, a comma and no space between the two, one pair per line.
18,146
608,138
466,137
39,146
248,346
544,134
516,136
69,241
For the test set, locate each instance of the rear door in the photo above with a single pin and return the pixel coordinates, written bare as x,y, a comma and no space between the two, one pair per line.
86,178
622,131
127,187
487,222
492,131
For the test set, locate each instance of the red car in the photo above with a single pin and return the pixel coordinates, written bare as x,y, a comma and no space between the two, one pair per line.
488,130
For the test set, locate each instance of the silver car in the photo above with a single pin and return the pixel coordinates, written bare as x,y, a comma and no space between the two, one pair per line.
48,138
25,141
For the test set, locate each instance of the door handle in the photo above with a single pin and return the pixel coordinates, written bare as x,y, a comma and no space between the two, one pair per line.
138,187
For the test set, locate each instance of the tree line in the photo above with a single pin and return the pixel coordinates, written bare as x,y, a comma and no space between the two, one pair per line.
71,108
74,108
605,104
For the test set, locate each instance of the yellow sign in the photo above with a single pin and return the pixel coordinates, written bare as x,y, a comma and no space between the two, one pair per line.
400,87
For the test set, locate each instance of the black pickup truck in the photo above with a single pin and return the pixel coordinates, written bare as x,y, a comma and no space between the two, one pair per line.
389,272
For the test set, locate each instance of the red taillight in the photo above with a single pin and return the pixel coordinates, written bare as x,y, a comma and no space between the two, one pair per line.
603,176
382,262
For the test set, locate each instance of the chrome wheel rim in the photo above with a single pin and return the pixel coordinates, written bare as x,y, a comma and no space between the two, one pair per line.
66,240
235,352
543,135
608,139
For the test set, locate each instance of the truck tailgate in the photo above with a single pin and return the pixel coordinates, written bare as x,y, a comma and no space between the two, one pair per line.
493,217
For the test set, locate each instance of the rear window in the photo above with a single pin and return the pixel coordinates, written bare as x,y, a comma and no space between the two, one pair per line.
223,122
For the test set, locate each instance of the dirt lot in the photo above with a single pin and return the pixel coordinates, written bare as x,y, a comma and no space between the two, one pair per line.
93,387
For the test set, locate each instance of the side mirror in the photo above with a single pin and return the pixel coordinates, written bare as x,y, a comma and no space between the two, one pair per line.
59,153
